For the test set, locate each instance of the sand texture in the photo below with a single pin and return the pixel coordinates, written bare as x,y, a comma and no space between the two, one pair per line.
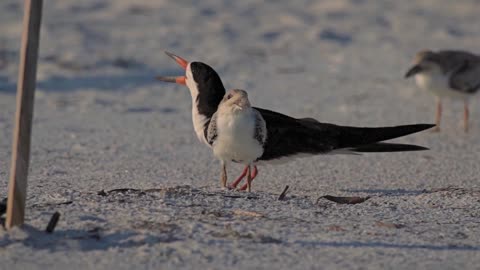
114,151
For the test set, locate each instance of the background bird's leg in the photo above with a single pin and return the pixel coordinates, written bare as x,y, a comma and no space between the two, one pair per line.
253,175
239,179
466,114
438,116
223,178
249,179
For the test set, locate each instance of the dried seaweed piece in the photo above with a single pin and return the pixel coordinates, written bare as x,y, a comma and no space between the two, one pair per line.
120,190
240,196
345,200
389,225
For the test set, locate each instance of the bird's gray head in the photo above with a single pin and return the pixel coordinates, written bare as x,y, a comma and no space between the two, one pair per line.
235,100
425,61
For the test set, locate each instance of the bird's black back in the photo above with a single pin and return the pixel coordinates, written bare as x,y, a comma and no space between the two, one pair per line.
289,136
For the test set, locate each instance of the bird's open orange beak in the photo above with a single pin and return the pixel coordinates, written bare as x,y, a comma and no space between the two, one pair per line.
179,79
180,61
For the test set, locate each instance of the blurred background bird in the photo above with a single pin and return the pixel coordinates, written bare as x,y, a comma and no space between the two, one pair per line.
447,74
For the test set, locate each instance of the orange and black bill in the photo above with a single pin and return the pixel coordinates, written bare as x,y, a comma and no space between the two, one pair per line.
172,79
178,79
180,61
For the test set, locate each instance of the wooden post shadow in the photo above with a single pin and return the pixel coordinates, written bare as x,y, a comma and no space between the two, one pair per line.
17,189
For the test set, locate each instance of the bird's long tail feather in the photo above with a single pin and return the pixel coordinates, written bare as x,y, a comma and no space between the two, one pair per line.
387,147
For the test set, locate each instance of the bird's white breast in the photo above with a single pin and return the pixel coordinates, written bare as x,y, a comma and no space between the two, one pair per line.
438,84
199,122
235,140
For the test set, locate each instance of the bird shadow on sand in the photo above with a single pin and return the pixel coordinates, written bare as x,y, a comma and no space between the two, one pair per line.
85,240
95,239
404,192
6,86
376,244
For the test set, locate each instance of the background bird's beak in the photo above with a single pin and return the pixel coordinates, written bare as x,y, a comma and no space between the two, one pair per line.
179,79
413,70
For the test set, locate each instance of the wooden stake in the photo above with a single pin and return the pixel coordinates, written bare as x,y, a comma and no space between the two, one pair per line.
17,189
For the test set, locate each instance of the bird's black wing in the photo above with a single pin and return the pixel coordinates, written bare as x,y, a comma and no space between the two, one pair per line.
211,131
260,132
288,136
466,78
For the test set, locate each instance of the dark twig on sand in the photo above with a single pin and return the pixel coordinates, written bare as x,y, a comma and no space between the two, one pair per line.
3,210
53,222
345,200
3,206
284,193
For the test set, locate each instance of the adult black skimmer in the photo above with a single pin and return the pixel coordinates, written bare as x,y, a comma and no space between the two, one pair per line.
453,74
286,137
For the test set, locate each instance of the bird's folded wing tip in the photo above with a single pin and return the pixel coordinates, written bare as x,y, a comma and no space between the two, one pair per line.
426,126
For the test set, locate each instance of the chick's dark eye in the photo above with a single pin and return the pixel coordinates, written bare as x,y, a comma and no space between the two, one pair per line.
229,96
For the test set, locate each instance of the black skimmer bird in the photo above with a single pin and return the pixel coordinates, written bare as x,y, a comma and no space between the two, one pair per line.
286,137
452,74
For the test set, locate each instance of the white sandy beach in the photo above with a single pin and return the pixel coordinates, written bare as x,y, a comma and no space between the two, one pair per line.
102,122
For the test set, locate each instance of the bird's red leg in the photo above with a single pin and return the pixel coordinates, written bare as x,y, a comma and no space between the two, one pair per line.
249,179
255,172
239,179
438,116
465,117
253,175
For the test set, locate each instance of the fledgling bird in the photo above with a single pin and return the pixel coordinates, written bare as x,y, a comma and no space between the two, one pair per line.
237,133
283,138
452,74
